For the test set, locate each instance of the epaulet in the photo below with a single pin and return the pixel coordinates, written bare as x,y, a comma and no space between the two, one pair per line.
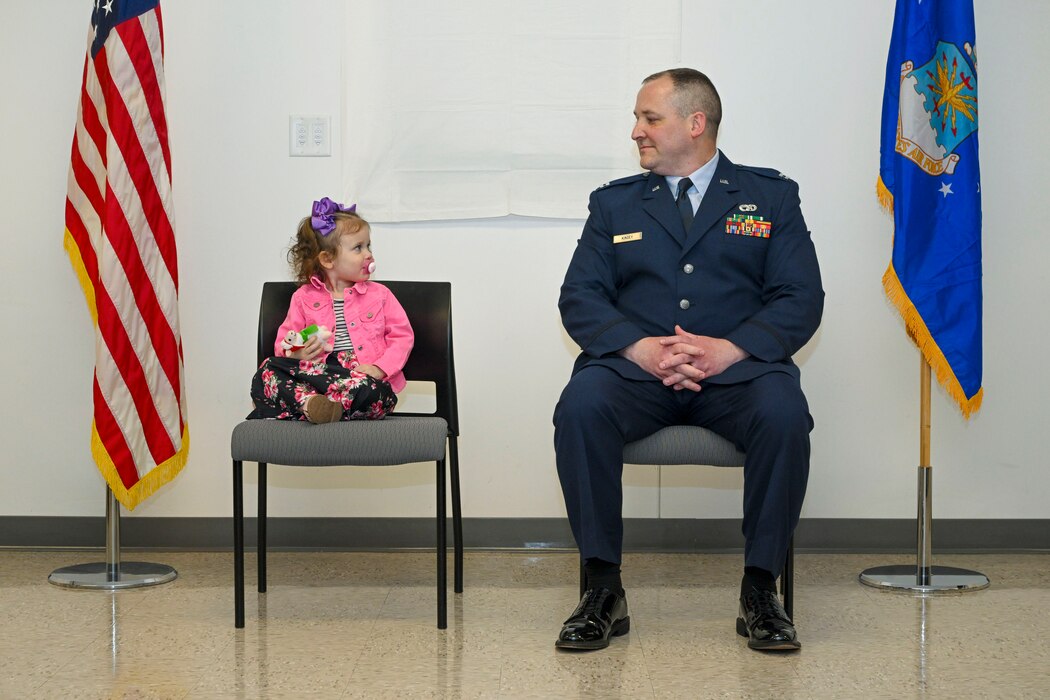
623,181
772,173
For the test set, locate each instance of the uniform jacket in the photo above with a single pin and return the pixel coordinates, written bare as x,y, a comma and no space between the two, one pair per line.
763,294
375,320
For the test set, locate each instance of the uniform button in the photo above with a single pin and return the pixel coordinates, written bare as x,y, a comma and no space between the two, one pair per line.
683,304
688,269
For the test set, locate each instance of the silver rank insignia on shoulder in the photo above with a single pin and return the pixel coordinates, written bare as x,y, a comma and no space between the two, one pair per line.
656,188
723,181
748,207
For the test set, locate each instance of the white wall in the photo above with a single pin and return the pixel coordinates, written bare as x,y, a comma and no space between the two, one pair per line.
802,86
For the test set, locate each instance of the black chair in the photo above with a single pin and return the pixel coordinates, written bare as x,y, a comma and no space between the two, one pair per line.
686,444
401,438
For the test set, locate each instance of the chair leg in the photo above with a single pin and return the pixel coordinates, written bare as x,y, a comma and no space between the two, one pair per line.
442,544
238,545
787,580
261,527
457,515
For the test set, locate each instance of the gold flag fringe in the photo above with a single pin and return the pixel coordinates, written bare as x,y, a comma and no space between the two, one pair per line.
884,195
917,329
148,484
160,474
77,261
920,334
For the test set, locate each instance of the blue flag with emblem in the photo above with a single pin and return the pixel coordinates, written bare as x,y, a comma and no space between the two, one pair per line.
930,179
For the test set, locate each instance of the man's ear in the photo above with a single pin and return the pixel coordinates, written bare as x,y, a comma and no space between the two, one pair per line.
325,258
697,124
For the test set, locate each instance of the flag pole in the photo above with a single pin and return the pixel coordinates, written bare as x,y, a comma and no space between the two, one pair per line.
924,577
111,574
924,514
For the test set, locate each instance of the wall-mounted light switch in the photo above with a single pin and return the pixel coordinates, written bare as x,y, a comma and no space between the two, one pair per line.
309,135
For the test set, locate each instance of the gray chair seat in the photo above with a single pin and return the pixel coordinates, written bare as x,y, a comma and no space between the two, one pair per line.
393,440
683,444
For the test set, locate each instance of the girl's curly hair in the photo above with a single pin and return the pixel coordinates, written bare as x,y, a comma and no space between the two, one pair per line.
304,254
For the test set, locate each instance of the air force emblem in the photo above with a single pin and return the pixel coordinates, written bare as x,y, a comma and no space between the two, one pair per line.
938,107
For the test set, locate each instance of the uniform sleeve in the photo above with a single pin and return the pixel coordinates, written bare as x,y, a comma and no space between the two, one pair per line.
588,294
399,337
294,321
792,296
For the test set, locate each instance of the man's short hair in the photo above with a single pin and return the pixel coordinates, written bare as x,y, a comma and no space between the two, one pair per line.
693,92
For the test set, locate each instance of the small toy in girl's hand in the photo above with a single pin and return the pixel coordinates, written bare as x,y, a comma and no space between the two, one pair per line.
296,340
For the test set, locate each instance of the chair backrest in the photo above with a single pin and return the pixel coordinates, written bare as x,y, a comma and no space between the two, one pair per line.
429,309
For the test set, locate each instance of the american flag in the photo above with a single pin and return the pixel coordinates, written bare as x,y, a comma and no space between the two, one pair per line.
121,242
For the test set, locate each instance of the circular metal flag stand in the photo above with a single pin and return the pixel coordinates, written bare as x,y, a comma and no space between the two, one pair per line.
111,574
924,578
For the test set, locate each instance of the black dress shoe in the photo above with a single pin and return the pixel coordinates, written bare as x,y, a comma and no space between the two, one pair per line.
601,614
765,624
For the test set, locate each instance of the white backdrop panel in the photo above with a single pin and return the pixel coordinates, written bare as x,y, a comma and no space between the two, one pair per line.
461,109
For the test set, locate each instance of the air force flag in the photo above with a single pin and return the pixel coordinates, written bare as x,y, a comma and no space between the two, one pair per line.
929,178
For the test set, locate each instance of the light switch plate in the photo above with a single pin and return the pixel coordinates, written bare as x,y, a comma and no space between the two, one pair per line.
309,135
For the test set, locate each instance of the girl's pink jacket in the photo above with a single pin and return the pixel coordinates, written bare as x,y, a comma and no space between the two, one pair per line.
375,320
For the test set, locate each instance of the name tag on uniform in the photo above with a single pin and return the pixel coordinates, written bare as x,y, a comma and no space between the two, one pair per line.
626,237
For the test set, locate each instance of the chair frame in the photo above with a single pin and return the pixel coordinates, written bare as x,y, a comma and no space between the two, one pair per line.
787,576
440,370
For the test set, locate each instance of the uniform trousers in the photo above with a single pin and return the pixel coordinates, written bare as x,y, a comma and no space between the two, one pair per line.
767,418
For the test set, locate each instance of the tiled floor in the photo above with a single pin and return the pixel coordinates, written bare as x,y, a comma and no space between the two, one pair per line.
362,625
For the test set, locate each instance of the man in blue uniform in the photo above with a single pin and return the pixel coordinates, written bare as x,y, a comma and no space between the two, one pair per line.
691,287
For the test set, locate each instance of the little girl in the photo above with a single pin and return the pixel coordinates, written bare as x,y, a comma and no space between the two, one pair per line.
356,372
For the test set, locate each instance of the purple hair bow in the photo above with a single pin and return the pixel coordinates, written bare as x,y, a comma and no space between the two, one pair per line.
321,217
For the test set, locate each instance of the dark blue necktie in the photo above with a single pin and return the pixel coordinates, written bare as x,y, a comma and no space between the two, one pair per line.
685,207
